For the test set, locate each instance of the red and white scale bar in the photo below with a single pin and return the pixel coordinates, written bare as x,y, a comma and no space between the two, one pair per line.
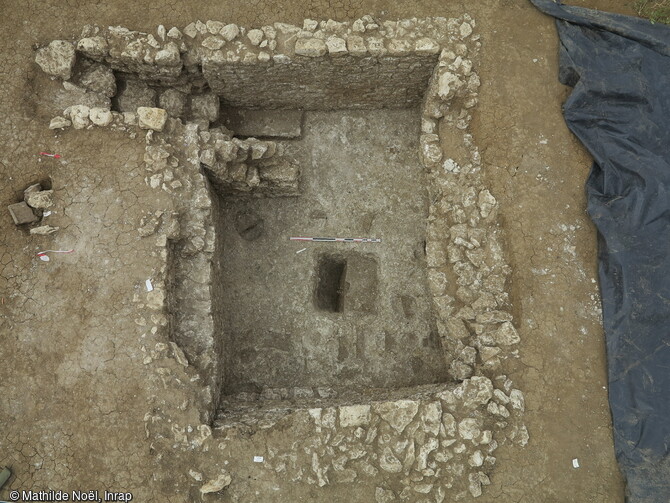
43,254
336,240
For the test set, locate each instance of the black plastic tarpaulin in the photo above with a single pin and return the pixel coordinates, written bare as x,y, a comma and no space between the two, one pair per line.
619,67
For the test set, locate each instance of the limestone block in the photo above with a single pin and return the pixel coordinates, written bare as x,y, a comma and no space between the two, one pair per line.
59,123
205,106
135,94
57,59
43,230
217,484
310,47
100,79
230,32
354,415
152,118
100,116
40,199
93,47
173,102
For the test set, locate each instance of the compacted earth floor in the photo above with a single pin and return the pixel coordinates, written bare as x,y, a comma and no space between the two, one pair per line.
319,314
72,398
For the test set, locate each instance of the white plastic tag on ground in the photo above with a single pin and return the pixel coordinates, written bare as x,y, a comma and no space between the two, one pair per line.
150,287
258,459
575,463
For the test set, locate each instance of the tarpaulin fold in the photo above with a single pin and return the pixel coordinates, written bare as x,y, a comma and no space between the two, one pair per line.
619,68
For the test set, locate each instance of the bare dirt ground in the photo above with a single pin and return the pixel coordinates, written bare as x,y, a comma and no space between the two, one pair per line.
73,393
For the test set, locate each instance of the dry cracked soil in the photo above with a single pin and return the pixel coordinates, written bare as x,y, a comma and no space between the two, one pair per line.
72,385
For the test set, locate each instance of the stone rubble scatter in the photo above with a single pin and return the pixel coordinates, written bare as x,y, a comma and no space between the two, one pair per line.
249,165
31,209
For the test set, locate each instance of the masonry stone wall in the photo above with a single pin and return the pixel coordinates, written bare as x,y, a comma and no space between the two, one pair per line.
347,82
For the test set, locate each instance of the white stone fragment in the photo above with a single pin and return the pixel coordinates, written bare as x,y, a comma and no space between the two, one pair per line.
486,203
486,437
431,417
230,31
431,152
174,33
270,32
385,496
376,46
217,484
398,414
100,116
469,429
500,396
190,30
208,157
151,40
388,462
448,84
426,46
310,25
59,123
310,47
476,459
517,400
399,47
93,47
43,230
354,415
179,355
57,59
255,36
356,45
506,335
336,46
422,458
168,55
201,27
358,26
213,43
152,118
465,30
160,31
214,27
80,116
474,392
130,118
474,485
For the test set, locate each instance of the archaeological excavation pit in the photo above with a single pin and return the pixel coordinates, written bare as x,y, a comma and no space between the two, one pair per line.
328,144
340,130
314,319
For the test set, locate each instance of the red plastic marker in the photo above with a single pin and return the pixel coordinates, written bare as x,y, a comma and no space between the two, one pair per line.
55,156
43,254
